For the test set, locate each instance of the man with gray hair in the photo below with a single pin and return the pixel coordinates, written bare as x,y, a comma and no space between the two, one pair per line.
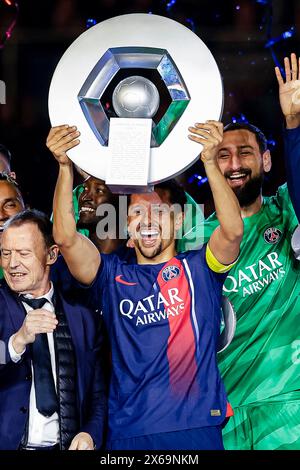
52,391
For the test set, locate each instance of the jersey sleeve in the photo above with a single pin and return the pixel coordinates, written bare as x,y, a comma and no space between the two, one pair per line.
76,194
284,202
191,236
210,225
99,285
90,295
292,163
216,273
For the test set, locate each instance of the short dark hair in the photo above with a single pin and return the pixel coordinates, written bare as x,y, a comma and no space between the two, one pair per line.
260,136
38,218
176,192
6,153
9,179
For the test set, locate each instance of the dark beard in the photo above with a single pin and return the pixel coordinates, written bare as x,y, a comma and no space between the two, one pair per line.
155,253
248,193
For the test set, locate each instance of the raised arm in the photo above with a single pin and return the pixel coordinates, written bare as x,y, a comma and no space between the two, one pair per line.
81,255
225,240
289,97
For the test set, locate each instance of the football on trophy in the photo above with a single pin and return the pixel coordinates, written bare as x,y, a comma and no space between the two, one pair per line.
135,97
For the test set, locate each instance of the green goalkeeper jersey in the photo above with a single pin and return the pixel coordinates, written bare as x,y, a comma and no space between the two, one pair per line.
263,361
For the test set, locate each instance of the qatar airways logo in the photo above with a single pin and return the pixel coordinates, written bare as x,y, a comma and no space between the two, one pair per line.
257,276
154,308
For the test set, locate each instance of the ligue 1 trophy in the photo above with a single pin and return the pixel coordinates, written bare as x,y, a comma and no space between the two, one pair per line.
133,85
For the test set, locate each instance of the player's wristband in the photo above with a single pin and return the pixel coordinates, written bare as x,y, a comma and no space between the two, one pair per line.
215,265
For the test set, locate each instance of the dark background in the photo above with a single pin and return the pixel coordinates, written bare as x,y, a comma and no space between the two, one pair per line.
236,32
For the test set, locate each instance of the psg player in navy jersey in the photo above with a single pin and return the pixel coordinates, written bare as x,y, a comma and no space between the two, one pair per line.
162,311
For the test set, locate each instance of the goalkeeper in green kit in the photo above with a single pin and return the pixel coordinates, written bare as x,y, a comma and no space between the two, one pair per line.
261,366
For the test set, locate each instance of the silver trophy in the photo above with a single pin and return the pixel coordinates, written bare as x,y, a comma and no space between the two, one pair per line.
133,85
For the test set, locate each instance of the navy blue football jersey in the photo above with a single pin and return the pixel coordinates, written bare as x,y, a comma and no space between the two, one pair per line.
163,321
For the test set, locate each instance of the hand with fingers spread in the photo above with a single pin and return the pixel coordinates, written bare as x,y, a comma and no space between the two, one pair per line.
289,91
61,139
210,135
36,322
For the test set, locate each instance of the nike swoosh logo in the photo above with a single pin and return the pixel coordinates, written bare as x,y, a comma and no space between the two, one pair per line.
121,281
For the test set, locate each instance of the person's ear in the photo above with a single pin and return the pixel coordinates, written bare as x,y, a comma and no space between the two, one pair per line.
267,161
52,254
179,220
130,243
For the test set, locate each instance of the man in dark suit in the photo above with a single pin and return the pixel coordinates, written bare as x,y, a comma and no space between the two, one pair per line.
52,389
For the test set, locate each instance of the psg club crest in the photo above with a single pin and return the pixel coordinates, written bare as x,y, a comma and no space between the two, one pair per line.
272,235
170,272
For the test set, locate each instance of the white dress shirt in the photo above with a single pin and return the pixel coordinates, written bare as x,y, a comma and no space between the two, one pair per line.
42,430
